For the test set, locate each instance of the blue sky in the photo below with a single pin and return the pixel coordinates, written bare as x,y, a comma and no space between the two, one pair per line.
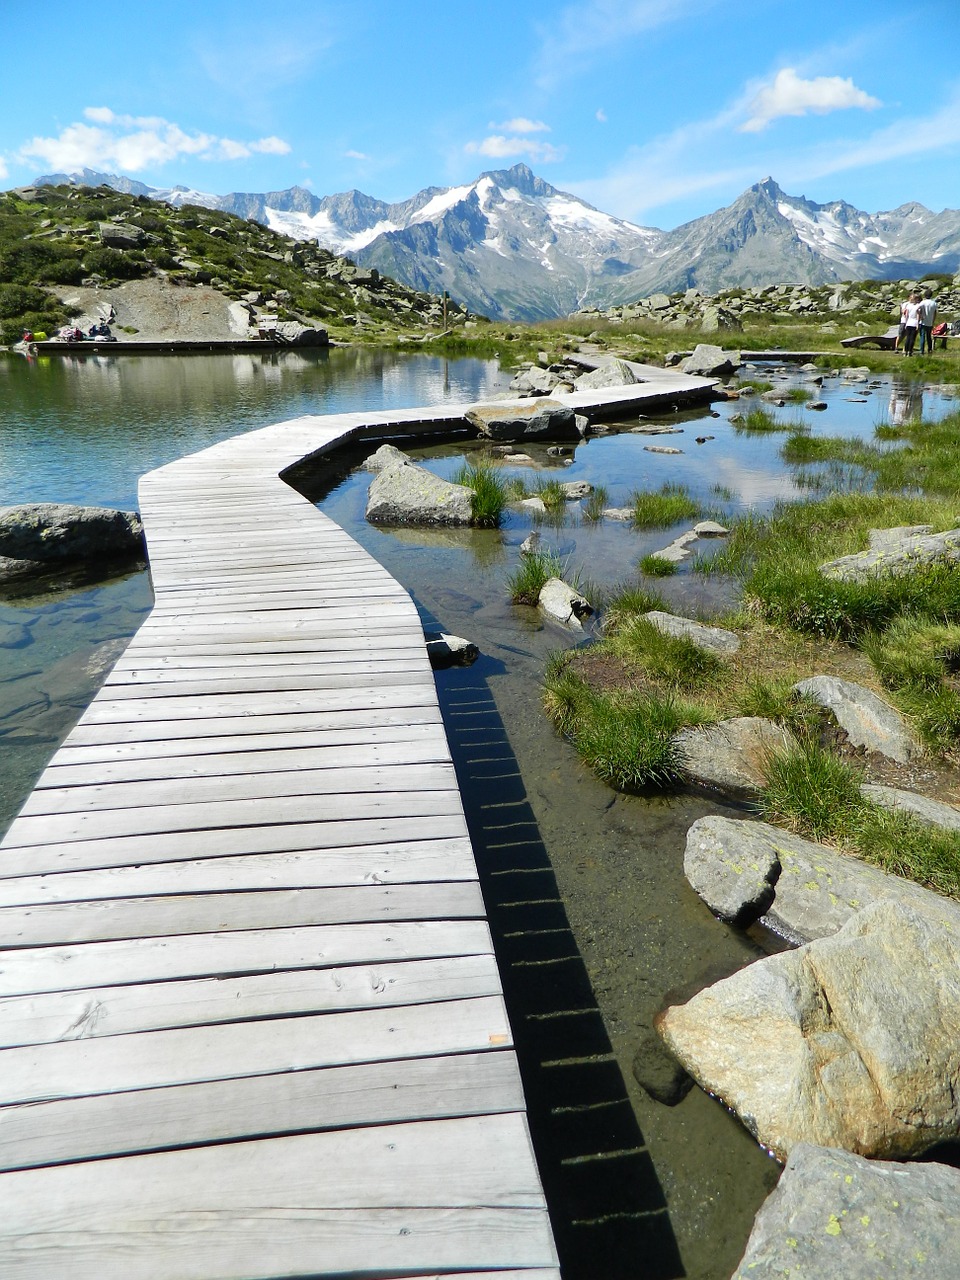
654,110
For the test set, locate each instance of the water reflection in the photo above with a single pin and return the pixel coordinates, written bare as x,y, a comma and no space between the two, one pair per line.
906,402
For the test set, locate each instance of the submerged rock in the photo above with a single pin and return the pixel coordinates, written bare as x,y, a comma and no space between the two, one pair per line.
836,1214
449,651
852,1041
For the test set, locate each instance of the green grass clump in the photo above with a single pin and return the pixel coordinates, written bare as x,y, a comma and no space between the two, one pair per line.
757,421
668,505
756,384
626,739
551,493
657,567
527,580
915,658
813,792
594,506
488,492
626,603
674,661
798,395
818,795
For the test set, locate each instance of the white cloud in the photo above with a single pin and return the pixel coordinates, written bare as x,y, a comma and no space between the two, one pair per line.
521,125
601,115
130,144
356,155
790,95
3,168
501,147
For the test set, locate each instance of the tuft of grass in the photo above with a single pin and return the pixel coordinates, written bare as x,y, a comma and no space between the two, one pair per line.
723,492
756,384
798,395
551,494
668,505
594,506
527,580
812,792
818,795
674,661
488,492
757,421
914,652
627,602
657,567
628,739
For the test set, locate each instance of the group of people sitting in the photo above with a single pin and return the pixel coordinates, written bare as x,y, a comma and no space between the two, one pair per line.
918,318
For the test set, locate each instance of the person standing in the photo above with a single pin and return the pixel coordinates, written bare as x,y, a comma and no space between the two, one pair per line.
909,320
927,319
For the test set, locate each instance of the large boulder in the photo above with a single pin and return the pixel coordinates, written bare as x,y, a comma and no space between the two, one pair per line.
121,235
407,494
708,361
834,1214
543,419
613,373
803,890
896,552
730,756
867,720
37,537
852,1041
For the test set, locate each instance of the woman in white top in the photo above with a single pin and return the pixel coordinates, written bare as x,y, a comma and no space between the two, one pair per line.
909,320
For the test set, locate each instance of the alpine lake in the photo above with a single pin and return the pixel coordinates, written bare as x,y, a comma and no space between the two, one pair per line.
595,925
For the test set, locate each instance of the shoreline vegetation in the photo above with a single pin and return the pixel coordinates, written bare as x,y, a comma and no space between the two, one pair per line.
622,700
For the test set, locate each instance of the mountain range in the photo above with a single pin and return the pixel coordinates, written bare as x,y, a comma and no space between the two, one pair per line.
511,246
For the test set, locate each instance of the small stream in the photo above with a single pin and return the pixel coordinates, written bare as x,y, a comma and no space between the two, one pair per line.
596,927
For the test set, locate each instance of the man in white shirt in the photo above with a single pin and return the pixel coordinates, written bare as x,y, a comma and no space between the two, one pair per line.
927,319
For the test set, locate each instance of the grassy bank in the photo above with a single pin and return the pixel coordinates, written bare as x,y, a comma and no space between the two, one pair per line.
621,701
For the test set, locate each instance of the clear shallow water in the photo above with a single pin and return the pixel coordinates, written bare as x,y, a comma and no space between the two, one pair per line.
586,891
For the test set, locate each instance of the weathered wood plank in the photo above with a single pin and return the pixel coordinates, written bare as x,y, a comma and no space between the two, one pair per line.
403,862
83,854
154,1059
47,924
122,1010
332,779
96,964
68,1129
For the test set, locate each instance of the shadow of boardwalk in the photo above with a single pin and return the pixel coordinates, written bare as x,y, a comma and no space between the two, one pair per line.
607,1207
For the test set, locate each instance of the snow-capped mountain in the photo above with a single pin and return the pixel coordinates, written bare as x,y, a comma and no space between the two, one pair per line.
511,246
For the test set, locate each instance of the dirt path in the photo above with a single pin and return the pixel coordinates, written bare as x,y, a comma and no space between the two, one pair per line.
160,311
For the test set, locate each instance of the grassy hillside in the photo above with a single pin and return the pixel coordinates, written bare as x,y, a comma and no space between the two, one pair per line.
52,238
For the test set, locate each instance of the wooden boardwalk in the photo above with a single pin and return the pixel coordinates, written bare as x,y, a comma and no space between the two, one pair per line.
251,1024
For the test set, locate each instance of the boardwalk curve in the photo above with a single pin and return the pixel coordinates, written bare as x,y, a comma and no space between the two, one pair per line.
251,1023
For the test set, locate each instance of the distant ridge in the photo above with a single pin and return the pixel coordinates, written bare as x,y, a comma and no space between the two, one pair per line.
511,246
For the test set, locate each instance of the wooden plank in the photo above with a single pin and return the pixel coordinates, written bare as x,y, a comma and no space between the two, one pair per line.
69,968
329,780
421,749
116,1124
436,1195
211,725
403,862
155,1059
175,915
178,846
122,1010
275,680
110,707
188,752
238,813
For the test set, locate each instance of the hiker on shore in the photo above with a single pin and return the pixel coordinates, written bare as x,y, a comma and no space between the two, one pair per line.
909,320
927,319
